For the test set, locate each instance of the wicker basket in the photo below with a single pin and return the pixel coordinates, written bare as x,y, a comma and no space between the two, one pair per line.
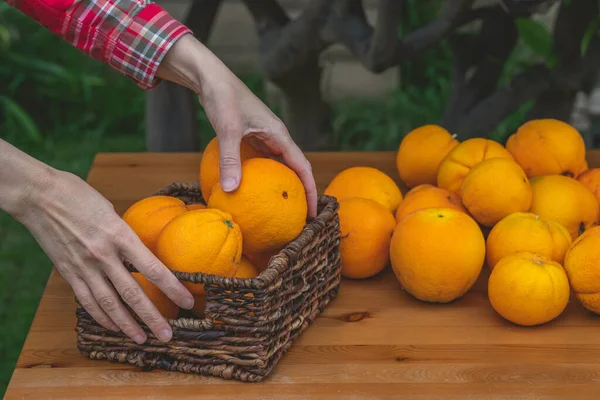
249,323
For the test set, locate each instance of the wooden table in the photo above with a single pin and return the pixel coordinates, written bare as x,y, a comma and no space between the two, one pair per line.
373,341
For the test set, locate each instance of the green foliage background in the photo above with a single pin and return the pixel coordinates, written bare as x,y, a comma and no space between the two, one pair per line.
62,107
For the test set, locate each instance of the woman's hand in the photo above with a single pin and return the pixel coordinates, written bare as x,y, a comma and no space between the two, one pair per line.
234,112
87,242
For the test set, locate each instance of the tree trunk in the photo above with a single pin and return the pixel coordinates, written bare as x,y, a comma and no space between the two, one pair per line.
305,113
571,24
171,119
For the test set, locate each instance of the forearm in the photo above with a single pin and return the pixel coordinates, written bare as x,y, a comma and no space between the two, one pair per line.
22,180
192,65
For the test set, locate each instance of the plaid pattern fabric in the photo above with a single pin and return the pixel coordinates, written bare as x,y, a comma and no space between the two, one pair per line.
132,36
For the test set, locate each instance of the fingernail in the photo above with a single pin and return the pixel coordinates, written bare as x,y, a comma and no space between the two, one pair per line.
165,335
139,339
229,184
188,303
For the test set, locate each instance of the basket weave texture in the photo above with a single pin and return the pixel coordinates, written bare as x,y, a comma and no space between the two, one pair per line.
248,323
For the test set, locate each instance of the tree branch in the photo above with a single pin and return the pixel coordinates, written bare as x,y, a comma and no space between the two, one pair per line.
379,48
286,46
430,34
486,115
201,16
527,6
479,62
529,85
323,22
268,15
385,37
571,25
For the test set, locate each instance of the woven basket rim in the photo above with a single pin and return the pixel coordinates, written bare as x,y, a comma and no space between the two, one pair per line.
327,205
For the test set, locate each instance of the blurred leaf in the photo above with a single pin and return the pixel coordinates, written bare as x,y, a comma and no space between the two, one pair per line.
24,121
47,70
537,37
13,86
4,37
511,123
591,31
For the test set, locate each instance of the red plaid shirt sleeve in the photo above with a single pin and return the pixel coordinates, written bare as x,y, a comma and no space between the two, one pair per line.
132,36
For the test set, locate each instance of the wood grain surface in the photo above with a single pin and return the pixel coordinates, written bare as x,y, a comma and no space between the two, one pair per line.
373,341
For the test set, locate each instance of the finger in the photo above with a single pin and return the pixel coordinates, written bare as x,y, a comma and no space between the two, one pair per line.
230,165
156,272
135,297
87,301
109,301
295,159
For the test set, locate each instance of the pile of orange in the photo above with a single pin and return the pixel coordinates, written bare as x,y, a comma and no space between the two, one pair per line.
536,200
254,222
529,210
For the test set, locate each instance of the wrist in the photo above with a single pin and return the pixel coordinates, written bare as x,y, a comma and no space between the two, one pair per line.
23,181
191,64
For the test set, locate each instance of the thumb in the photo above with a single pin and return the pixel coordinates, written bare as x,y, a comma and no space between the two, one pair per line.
230,166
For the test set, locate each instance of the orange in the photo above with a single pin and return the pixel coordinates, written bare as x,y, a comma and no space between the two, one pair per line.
582,264
149,216
457,164
165,306
421,152
591,180
437,254
210,164
548,147
527,232
246,269
206,241
199,306
261,260
196,206
368,183
495,188
528,289
564,200
269,206
366,229
428,196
